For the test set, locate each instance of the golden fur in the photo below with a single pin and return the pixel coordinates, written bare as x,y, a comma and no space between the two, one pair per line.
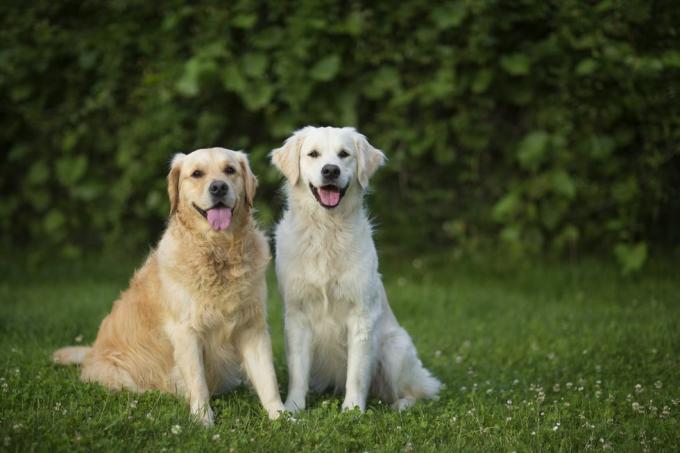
196,310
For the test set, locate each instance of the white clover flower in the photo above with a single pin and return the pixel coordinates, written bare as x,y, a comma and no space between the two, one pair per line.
639,388
79,338
658,384
556,388
176,429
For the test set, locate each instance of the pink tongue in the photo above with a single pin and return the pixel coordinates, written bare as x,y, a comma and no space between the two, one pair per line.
329,197
219,218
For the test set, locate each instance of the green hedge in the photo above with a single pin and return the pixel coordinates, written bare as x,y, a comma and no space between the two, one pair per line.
543,125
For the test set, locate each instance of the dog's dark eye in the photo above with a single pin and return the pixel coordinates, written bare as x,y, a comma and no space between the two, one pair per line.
342,154
197,174
313,154
230,170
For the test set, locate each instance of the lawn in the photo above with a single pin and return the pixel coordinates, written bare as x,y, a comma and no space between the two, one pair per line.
535,357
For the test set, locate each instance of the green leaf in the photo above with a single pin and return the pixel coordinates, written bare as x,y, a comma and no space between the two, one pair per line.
195,70
516,64
257,96
326,68
532,149
245,21
233,79
631,257
70,169
506,207
563,184
482,81
586,67
38,173
54,221
254,64
449,16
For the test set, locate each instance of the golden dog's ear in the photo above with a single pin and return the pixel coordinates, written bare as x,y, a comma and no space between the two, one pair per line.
173,181
287,158
368,158
249,179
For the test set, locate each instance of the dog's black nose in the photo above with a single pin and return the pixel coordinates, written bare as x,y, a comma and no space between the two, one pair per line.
330,171
218,188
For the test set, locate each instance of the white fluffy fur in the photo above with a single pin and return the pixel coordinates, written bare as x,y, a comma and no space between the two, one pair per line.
340,330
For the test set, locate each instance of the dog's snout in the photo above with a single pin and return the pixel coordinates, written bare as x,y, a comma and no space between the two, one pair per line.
330,171
218,188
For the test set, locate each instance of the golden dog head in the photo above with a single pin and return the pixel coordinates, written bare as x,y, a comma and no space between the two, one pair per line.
210,186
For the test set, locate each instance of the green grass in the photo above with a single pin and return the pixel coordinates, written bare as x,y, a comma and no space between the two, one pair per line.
534,357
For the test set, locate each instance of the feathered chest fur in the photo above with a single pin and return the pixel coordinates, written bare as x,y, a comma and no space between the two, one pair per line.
223,282
324,262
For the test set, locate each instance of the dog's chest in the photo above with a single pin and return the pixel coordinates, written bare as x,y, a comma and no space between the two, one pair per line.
323,269
216,300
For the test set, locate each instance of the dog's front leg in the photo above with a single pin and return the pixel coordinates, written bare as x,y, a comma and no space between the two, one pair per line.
298,350
360,353
256,352
188,356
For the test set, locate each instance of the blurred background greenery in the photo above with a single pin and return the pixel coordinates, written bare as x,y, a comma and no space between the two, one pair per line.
532,126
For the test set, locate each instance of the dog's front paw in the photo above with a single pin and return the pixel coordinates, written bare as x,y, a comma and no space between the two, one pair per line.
203,414
351,404
275,411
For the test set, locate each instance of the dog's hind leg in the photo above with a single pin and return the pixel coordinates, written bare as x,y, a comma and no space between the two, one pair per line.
404,372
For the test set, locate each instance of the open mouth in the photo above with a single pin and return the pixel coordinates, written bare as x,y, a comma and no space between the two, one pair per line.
328,196
218,216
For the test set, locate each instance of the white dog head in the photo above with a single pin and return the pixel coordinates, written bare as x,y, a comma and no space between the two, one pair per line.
328,161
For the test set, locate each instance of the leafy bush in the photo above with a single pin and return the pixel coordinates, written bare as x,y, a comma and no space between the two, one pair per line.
550,126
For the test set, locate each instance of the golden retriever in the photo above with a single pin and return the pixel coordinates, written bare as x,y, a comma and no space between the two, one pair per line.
194,315
340,329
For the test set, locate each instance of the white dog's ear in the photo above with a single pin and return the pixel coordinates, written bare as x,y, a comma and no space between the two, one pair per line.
173,181
368,159
287,158
249,179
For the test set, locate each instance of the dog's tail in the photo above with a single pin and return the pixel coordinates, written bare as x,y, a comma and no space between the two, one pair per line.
70,355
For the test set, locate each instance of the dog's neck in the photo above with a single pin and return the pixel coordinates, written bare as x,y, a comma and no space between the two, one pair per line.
215,246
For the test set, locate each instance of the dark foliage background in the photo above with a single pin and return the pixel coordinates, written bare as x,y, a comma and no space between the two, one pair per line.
540,125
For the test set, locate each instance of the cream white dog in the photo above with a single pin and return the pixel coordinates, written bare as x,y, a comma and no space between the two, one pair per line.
340,330
195,315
